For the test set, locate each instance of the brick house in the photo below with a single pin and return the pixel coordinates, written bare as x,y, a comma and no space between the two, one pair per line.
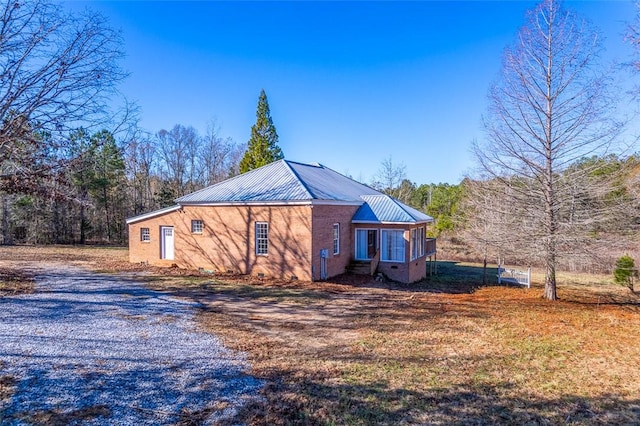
288,220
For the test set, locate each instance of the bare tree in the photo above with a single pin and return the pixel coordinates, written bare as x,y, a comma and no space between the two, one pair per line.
633,37
220,157
549,109
178,149
57,73
141,159
391,179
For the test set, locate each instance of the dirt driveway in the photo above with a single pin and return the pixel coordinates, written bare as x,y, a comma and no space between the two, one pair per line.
101,349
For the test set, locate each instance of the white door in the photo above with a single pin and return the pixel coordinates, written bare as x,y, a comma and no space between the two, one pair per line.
166,246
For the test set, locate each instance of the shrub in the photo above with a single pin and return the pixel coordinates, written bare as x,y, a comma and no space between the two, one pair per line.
625,271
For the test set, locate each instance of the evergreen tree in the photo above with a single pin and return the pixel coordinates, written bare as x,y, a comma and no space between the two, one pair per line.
625,271
263,146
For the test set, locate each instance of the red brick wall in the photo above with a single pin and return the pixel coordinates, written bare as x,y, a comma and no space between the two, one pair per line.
227,242
324,216
149,252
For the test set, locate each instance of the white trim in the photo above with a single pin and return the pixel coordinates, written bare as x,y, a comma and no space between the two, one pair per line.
201,226
333,232
165,252
404,246
142,234
374,222
336,203
355,237
257,239
276,203
153,214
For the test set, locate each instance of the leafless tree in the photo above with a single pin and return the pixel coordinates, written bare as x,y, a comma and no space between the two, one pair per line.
141,159
391,179
633,37
178,149
57,73
549,109
220,157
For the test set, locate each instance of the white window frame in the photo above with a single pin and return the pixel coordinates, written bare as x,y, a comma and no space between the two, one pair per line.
414,243
195,224
336,238
262,238
392,253
366,230
417,242
145,234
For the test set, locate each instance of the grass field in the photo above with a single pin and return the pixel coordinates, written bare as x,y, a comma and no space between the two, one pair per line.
445,351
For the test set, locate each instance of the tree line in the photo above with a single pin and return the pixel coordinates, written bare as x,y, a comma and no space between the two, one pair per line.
105,181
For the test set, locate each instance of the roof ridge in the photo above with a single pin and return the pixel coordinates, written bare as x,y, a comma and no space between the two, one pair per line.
298,178
351,179
232,178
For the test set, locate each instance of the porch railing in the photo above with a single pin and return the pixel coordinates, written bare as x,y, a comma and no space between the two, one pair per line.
430,246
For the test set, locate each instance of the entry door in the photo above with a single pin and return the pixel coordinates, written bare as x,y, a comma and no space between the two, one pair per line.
366,243
167,243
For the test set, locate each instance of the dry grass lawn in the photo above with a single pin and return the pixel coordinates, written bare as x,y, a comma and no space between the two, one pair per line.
447,351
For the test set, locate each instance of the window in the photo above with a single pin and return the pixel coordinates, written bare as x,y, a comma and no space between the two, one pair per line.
145,235
196,226
336,238
417,243
392,245
262,238
414,244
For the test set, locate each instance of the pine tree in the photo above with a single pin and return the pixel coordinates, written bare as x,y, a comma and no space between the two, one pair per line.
263,146
625,271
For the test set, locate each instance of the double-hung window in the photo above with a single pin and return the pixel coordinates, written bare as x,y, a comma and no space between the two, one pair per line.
336,238
145,234
262,238
417,243
196,226
392,245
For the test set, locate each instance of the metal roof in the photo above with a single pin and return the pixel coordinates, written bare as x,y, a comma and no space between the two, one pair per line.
282,181
152,214
385,209
287,181
326,184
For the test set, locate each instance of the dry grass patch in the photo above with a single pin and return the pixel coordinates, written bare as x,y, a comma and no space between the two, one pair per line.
447,351
443,352
14,281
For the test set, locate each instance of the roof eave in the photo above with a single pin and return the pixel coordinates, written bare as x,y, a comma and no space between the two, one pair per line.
152,214
382,222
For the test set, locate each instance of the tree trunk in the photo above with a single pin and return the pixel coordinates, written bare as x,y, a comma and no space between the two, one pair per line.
6,239
83,222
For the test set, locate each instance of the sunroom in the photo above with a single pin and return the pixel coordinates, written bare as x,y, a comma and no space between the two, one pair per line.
391,238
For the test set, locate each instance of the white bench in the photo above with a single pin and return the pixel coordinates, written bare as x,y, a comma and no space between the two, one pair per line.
514,276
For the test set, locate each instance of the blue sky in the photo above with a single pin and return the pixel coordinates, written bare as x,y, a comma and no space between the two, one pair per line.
349,83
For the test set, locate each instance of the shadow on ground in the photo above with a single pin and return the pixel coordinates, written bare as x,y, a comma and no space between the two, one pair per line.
451,277
466,404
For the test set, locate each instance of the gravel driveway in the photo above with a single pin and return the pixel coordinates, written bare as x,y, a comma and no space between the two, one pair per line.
97,349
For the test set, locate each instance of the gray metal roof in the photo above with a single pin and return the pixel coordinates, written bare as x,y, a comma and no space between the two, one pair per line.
326,184
385,209
282,181
289,181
